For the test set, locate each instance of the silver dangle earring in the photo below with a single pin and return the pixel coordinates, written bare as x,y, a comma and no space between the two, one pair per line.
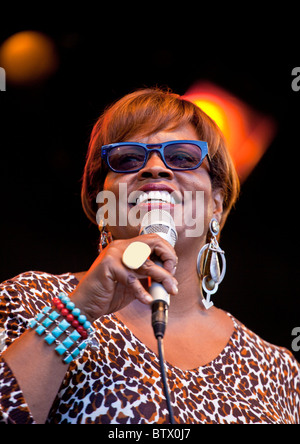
105,236
208,266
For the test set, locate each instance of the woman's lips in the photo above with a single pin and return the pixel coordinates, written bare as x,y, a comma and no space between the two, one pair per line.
151,186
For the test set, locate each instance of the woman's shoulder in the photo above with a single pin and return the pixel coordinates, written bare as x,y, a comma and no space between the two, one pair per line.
259,352
39,283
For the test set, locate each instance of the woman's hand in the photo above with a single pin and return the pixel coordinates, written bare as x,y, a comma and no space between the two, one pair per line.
109,285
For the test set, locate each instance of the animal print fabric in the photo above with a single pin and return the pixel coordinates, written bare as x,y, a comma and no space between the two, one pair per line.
118,381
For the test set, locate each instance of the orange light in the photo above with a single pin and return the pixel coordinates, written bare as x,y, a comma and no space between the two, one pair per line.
28,57
247,132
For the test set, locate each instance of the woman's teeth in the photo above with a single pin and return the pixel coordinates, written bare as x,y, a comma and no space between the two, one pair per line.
156,196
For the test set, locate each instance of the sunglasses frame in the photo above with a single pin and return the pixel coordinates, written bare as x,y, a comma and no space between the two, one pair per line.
158,147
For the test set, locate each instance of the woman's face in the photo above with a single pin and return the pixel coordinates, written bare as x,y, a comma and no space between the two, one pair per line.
187,195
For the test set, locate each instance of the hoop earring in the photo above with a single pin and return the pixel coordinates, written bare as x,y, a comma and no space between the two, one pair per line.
105,236
208,266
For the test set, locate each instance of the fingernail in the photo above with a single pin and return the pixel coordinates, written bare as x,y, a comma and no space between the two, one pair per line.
174,288
148,298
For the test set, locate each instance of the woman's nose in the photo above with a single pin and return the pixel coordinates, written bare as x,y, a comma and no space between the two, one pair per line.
155,168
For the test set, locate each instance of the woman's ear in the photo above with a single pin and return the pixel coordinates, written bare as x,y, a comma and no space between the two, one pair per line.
218,199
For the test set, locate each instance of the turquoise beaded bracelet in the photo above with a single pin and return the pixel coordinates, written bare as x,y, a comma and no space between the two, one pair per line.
74,342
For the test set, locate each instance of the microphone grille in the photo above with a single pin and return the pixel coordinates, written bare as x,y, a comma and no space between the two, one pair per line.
160,222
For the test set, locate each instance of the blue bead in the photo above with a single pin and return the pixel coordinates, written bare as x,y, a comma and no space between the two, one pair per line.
40,316
82,346
47,322
75,335
46,310
76,312
82,319
63,325
68,359
57,332
68,342
54,315
87,325
40,330
50,339
70,305
76,352
32,323
61,349
65,299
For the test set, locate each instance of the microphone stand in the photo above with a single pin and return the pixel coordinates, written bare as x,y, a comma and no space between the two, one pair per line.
160,222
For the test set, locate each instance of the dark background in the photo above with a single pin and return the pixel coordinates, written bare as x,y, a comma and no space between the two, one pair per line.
44,132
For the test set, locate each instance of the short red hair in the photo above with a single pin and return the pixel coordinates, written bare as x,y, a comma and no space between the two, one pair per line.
143,113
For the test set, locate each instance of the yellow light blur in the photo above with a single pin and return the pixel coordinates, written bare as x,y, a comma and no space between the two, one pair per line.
247,132
214,111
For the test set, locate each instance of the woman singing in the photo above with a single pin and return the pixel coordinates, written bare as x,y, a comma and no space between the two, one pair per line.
80,347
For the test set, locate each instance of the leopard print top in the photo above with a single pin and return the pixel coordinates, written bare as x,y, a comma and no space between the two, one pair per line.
118,382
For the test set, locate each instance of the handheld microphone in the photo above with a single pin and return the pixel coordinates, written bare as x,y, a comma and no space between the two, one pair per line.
160,222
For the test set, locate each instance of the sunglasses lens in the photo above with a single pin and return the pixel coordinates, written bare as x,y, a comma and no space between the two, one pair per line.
183,155
126,158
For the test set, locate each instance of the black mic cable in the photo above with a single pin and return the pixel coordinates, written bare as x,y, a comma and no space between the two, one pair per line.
160,222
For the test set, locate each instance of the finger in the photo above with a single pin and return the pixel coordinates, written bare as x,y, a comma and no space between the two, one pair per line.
137,252
117,271
130,280
159,274
170,266
137,289
163,250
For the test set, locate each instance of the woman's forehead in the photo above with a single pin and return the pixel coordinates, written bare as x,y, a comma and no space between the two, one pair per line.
184,132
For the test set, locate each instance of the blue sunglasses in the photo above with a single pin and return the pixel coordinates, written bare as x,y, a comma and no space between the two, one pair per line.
178,155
